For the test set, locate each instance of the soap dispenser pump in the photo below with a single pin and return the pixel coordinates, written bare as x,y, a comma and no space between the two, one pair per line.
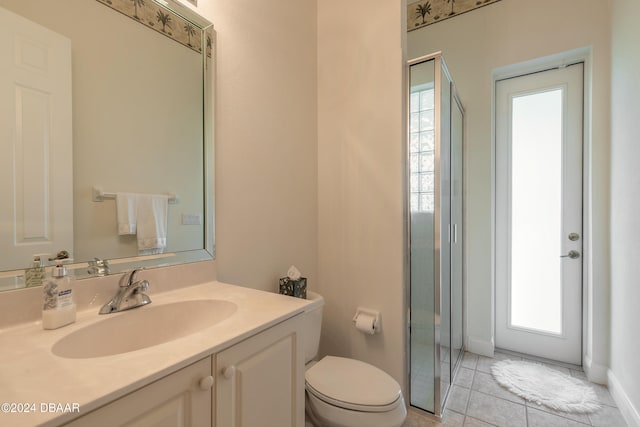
59,308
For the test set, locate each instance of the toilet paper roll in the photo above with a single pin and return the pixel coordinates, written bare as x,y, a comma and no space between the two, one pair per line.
366,323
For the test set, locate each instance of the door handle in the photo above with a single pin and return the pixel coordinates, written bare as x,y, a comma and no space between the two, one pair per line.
571,254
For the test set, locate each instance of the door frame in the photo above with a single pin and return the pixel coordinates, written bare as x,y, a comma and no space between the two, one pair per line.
582,55
563,344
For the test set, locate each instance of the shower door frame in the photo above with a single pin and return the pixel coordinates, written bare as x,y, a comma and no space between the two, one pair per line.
439,68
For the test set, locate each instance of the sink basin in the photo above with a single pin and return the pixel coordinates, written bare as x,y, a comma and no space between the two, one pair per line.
143,327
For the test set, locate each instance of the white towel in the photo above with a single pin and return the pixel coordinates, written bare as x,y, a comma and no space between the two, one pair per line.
126,206
152,223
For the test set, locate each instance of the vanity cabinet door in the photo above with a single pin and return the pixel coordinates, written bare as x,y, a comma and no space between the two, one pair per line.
178,400
260,381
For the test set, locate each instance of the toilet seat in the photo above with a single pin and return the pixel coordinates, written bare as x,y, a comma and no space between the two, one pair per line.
353,385
350,406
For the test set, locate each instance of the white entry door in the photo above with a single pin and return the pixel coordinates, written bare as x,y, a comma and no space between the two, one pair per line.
539,121
36,211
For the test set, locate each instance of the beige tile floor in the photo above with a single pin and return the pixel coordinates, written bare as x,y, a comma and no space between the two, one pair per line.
477,400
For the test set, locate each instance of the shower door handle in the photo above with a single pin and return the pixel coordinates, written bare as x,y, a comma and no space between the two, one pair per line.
571,254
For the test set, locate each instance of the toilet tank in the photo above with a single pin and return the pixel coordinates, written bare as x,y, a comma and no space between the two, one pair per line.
311,326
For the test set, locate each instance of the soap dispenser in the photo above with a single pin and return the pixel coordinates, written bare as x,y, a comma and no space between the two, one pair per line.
59,308
34,275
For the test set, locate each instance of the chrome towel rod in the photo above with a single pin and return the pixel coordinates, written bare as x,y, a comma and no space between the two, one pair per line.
100,196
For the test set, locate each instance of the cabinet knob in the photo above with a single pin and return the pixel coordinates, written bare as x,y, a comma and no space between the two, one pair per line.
229,372
206,383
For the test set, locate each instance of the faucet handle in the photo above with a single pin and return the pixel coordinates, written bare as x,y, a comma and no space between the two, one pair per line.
144,286
99,267
129,281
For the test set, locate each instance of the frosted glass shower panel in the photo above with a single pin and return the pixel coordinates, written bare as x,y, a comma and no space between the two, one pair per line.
456,232
435,235
421,183
443,216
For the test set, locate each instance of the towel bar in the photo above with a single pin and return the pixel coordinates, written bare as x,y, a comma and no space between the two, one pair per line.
100,196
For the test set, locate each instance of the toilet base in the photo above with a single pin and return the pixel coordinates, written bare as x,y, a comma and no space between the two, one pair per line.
309,419
322,414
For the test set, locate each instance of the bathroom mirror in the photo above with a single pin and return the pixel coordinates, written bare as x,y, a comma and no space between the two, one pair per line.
139,120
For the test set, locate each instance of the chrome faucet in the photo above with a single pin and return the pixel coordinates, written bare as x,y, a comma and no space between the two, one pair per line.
130,295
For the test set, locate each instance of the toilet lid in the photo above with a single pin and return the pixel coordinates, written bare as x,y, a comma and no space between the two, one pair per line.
351,383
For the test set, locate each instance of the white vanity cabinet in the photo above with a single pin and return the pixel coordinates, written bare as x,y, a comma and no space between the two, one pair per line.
179,399
260,381
257,382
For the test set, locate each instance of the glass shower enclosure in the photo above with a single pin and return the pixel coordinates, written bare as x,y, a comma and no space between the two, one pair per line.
435,232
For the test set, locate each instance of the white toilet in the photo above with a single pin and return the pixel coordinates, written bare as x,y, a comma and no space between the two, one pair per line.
343,392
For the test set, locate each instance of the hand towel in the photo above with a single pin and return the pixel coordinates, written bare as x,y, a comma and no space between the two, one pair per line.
126,213
152,223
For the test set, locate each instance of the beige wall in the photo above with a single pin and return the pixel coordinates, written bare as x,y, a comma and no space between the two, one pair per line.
266,140
309,159
360,177
474,45
624,376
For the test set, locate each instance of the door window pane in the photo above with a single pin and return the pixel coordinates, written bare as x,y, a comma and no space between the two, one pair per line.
536,211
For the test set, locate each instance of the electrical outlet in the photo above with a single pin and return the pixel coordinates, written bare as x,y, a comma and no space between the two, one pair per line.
191,219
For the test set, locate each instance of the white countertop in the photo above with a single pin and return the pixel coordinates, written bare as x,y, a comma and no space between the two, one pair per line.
30,374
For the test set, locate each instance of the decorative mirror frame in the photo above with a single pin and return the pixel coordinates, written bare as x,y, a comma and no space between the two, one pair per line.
196,33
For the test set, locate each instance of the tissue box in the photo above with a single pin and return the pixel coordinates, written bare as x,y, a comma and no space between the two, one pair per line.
294,288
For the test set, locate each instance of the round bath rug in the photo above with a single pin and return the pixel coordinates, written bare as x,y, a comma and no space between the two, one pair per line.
545,386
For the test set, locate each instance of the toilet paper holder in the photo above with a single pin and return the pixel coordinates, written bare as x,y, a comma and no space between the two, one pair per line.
369,312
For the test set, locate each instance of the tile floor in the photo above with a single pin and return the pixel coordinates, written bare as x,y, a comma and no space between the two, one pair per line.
477,400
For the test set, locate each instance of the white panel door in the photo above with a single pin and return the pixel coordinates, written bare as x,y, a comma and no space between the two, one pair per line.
36,213
539,120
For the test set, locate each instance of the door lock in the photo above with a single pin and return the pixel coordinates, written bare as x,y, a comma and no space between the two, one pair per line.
574,236
571,254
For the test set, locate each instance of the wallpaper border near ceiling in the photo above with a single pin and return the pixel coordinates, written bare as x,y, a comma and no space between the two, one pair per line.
426,12
162,20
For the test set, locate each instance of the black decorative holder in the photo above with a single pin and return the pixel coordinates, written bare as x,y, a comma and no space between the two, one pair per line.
294,288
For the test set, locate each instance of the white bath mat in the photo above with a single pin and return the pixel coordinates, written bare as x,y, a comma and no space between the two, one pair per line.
545,386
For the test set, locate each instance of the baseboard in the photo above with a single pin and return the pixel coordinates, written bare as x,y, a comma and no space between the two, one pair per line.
629,412
595,372
481,347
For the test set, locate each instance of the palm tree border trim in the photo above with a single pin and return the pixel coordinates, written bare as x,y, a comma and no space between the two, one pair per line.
421,13
177,28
